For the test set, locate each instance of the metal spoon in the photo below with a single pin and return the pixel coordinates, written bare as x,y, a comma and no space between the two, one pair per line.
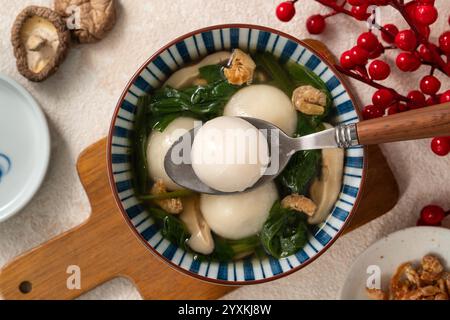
416,124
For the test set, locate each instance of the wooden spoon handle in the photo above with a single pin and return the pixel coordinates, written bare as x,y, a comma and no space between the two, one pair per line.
415,124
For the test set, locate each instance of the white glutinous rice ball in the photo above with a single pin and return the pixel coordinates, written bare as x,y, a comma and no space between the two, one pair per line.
237,216
229,154
158,145
266,103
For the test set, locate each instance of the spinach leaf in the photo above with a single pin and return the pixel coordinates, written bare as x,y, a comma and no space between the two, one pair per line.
301,75
284,232
304,165
211,73
308,124
172,228
201,102
273,68
299,172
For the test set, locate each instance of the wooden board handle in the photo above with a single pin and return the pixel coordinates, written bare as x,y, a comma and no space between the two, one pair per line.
415,124
104,247
42,272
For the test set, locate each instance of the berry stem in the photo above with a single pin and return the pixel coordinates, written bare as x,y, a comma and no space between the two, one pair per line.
439,62
330,14
369,82
337,8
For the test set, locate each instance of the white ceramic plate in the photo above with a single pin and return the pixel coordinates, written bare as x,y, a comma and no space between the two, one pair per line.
388,253
24,147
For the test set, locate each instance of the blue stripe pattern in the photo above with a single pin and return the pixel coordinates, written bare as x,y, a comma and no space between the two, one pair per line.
263,41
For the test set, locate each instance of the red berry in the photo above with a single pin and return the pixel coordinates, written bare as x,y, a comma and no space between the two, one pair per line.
368,41
432,100
432,215
285,11
402,107
383,98
430,85
357,2
424,30
445,97
410,9
406,40
315,24
441,146
346,60
379,70
426,14
429,2
425,53
360,12
377,52
406,61
372,112
359,56
392,109
416,99
390,31
444,42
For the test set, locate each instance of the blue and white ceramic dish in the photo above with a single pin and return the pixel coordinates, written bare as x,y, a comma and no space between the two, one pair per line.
24,147
152,74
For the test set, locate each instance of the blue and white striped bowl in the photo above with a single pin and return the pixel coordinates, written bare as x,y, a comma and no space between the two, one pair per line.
152,74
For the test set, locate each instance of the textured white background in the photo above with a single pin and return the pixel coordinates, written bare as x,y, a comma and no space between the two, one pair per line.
80,98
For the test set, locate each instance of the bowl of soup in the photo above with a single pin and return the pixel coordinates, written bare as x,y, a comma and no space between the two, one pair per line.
209,80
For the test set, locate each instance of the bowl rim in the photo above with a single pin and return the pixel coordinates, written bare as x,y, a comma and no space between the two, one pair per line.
111,176
42,163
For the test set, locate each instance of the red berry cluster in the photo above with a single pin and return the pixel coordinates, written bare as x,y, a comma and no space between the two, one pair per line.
432,215
364,62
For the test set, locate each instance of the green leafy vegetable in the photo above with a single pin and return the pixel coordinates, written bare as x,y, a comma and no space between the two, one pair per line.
172,228
301,76
307,125
284,233
300,171
226,250
274,69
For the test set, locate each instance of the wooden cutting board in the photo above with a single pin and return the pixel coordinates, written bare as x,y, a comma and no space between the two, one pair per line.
104,247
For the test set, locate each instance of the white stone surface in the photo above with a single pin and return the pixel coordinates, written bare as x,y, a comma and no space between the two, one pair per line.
80,98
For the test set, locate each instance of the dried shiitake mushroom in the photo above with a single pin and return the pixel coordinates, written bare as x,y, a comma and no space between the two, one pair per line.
40,40
90,20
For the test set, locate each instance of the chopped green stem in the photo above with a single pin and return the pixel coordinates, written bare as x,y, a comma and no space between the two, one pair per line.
167,195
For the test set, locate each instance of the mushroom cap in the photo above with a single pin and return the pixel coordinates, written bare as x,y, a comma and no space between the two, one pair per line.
20,51
96,17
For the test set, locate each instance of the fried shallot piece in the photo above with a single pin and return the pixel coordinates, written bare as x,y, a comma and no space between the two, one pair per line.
376,294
